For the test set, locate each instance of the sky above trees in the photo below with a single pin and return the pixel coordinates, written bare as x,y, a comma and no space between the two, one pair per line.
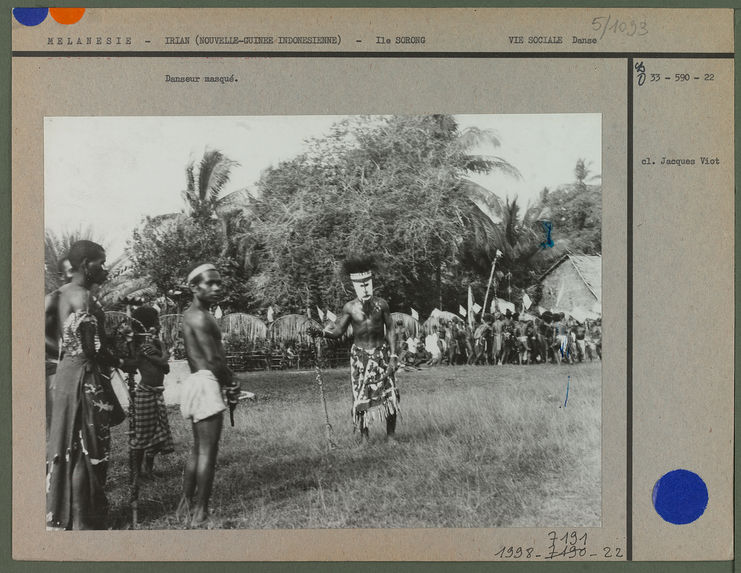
107,173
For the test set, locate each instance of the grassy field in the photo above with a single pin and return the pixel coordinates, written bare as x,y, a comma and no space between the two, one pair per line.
478,446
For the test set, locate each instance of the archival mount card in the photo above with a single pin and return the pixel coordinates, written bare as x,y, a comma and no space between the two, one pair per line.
539,366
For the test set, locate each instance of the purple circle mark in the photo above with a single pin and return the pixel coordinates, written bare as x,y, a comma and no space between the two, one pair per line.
30,16
680,497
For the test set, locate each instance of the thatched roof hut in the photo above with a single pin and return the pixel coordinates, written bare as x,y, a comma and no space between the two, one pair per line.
438,317
292,327
410,323
573,283
171,328
245,325
348,332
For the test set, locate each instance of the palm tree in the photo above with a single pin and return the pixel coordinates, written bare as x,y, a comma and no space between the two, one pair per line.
122,285
583,173
56,247
202,195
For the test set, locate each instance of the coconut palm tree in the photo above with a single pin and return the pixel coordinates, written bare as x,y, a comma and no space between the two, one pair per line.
202,193
123,286
56,247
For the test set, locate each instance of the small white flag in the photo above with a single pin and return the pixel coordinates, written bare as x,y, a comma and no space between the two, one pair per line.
461,310
218,313
415,314
321,314
476,307
331,315
526,301
270,314
470,306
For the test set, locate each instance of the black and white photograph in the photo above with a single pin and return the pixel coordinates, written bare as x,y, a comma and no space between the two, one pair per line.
323,322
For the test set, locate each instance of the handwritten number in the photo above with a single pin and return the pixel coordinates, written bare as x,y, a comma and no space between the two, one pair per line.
641,69
618,553
604,23
608,552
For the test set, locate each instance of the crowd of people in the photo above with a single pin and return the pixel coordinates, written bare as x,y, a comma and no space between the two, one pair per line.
502,338
82,406
82,358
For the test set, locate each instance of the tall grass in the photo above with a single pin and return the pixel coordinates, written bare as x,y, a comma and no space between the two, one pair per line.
477,447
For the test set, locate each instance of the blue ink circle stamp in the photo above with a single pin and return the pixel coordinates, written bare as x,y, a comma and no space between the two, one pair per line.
680,497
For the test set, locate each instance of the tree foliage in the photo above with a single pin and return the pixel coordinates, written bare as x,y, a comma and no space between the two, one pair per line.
576,213
56,247
397,187
391,186
162,248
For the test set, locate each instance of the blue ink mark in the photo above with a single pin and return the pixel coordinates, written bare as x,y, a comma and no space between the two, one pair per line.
568,383
547,227
680,497
30,16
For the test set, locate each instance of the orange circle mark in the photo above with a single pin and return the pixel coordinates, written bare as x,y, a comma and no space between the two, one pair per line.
67,15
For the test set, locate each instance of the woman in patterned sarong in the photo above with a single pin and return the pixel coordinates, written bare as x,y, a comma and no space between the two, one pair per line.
78,445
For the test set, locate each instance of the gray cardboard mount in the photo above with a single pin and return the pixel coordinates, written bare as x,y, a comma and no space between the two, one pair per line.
668,238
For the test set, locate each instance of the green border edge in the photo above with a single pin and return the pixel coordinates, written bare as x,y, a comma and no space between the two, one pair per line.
6,561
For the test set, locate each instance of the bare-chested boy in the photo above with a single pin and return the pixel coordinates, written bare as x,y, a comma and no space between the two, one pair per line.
373,362
201,399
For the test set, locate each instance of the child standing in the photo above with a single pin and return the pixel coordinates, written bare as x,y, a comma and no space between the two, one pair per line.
152,434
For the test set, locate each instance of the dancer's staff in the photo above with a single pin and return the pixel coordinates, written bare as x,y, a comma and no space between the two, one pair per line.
328,431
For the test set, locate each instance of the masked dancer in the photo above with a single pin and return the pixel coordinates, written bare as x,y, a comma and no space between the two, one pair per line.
373,361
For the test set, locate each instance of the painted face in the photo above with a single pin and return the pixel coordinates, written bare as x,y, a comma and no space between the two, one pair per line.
208,289
364,289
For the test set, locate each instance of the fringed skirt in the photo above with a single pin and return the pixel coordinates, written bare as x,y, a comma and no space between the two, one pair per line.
375,395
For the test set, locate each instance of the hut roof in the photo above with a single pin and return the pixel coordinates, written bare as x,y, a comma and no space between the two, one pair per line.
589,269
171,327
243,324
410,323
292,326
435,319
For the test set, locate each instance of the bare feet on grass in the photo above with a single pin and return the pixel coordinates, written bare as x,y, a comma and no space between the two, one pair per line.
200,517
